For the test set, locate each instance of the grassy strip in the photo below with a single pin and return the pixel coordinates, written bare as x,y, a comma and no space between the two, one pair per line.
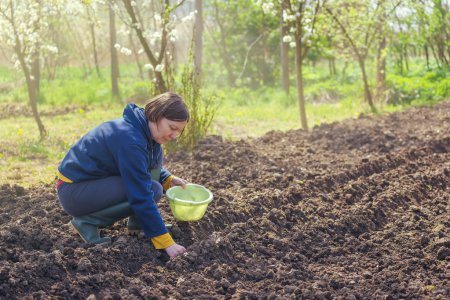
26,160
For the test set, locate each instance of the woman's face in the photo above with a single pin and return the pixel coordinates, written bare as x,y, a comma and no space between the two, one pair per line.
166,130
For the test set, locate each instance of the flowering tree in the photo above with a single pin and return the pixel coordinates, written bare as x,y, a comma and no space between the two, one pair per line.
362,25
154,36
300,16
23,25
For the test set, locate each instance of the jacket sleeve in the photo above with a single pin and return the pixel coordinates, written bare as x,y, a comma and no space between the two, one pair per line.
164,175
133,166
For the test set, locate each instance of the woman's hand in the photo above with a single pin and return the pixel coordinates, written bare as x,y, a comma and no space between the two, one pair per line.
175,250
178,181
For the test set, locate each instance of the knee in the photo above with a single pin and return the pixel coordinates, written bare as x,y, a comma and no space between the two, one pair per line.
157,190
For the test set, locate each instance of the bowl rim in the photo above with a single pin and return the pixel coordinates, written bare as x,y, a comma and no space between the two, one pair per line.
196,203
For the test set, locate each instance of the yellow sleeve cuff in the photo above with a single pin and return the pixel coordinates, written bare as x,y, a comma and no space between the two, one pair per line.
162,241
63,178
167,182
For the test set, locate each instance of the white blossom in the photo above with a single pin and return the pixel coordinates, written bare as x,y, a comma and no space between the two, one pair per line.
173,36
287,39
17,64
51,49
292,44
288,17
159,68
117,46
189,17
125,51
28,29
267,7
148,67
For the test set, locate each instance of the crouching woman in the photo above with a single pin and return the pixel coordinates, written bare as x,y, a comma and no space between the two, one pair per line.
115,171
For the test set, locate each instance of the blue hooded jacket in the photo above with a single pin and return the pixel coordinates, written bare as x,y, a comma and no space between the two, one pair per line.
122,147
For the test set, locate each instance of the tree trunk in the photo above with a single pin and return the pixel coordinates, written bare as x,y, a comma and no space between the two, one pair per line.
94,44
344,69
381,71
198,41
331,66
31,83
160,84
299,77
405,55
427,56
32,94
435,56
114,58
36,71
442,38
285,64
400,60
367,93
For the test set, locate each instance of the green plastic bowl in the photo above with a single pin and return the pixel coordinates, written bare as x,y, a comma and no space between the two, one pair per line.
189,204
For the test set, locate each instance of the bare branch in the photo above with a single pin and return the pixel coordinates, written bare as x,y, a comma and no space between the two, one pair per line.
134,24
248,52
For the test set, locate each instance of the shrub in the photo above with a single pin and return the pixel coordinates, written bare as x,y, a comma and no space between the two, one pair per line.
429,87
202,110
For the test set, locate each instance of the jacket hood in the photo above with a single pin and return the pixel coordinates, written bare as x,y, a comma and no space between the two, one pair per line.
134,115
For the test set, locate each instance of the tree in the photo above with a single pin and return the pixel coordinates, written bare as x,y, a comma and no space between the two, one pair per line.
301,17
221,43
432,19
242,43
361,24
154,40
23,27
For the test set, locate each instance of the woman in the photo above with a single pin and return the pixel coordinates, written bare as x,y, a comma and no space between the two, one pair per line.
115,171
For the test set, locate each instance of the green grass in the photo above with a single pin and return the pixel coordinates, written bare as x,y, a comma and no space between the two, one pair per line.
26,159
260,114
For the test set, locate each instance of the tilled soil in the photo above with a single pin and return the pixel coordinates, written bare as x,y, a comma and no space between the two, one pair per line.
350,210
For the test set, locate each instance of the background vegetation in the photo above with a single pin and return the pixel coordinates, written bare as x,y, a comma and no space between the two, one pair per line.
247,67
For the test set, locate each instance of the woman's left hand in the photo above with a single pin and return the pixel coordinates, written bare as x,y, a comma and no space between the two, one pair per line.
178,181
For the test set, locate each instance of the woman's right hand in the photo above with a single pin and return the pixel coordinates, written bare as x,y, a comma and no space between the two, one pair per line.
175,250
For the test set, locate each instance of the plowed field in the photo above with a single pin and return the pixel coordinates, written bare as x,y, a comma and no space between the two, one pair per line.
352,210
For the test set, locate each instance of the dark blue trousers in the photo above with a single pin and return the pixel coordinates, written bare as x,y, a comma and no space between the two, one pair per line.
86,197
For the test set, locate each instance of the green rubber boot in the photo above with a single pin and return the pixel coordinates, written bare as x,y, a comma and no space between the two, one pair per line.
133,226
87,225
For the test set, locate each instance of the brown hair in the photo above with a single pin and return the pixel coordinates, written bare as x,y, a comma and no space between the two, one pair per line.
168,105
